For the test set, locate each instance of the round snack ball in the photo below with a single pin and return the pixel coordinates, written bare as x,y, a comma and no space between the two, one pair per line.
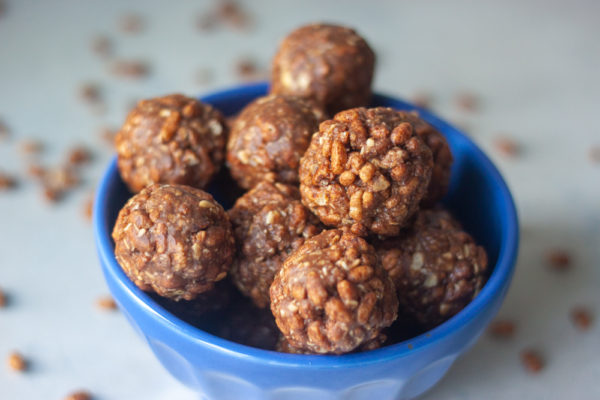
268,138
269,222
171,139
175,240
442,159
330,64
332,295
284,346
366,169
437,268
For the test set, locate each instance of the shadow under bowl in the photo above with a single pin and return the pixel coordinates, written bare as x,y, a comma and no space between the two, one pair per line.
220,369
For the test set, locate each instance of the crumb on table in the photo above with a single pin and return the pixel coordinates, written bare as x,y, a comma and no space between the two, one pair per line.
558,259
502,329
134,69
507,147
106,303
532,361
131,23
7,181
17,362
79,395
467,101
582,318
102,46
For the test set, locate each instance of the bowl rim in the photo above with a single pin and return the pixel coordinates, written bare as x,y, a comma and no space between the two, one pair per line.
501,274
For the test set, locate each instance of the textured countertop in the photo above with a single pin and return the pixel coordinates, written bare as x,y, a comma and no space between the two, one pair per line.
533,67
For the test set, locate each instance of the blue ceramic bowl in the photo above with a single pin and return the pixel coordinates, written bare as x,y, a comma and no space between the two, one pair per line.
223,370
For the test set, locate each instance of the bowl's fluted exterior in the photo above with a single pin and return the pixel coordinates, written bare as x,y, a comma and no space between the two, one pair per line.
223,370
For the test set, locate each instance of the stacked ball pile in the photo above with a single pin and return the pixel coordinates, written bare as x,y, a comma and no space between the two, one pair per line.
339,233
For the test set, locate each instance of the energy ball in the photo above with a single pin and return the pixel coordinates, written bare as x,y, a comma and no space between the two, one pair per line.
330,64
366,169
269,222
268,138
174,240
284,346
332,295
171,139
437,268
442,160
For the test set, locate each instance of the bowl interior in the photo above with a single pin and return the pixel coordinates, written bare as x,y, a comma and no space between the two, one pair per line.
478,197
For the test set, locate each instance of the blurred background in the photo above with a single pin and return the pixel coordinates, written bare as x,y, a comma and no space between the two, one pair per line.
520,77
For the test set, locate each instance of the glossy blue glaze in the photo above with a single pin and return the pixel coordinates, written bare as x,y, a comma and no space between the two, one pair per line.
221,370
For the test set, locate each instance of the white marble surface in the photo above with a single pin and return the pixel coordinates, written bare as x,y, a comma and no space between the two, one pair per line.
535,65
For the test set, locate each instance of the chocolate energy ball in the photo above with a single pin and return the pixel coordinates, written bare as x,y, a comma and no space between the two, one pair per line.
332,295
171,139
366,169
175,240
330,64
284,346
268,138
442,159
437,268
269,223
